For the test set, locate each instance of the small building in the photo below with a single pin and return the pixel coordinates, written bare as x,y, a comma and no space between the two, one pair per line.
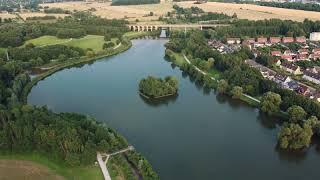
291,68
303,90
274,40
262,40
287,39
303,51
287,57
316,51
315,36
282,80
277,62
293,85
276,53
302,57
314,57
233,40
301,39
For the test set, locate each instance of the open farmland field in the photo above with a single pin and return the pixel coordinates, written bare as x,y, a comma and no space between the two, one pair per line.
255,12
244,11
107,11
21,170
7,16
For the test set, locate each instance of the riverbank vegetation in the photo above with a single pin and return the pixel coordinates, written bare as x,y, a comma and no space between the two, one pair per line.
153,87
69,139
236,75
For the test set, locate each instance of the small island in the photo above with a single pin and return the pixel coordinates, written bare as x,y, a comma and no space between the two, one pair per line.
152,87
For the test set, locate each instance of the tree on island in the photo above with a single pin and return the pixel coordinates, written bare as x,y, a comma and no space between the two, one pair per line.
156,87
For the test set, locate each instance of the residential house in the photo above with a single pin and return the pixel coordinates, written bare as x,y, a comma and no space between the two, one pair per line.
287,40
311,76
303,90
277,62
233,40
302,57
293,85
276,53
287,57
316,51
303,51
274,40
301,39
314,57
291,68
282,80
262,40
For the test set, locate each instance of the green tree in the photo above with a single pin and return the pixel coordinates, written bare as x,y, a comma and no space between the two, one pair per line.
293,136
222,86
236,92
270,103
296,114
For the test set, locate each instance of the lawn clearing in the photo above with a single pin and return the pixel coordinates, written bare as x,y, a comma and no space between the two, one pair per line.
90,41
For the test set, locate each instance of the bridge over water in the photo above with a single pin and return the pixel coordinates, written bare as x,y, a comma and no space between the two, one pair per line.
151,27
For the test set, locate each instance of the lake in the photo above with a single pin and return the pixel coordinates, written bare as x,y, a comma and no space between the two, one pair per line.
194,136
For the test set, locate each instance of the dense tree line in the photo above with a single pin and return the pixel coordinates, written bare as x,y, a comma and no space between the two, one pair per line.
46,53
192,15
156,87
56,11
133,2
273,27
78,25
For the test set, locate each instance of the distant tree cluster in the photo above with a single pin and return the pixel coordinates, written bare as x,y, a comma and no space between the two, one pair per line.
56,11
133,2
38,18
78,25
192,15
156,87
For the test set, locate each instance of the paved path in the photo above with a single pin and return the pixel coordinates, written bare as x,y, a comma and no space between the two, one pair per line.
117,46
204,73
103,164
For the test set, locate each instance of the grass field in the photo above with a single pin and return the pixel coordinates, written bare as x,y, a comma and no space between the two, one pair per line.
40,14
90,41
40,165
131,13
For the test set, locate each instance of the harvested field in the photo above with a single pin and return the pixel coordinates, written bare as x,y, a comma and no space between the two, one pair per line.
23,170
7,16
244,11
255,12
107,11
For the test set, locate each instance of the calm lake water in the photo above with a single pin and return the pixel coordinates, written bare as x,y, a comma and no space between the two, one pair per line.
195,136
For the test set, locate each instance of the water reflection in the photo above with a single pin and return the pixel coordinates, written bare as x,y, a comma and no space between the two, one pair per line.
165,101
291,156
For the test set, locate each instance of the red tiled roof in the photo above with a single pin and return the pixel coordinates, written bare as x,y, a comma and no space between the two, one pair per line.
301,39
276,53
287,39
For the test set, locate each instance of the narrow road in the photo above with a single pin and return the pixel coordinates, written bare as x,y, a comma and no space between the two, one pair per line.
103,164
103,167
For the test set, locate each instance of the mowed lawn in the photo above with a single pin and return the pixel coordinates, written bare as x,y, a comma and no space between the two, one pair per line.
90,41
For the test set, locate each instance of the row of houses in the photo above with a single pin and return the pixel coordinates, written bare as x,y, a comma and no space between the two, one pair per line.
301,55
284,81
266,41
